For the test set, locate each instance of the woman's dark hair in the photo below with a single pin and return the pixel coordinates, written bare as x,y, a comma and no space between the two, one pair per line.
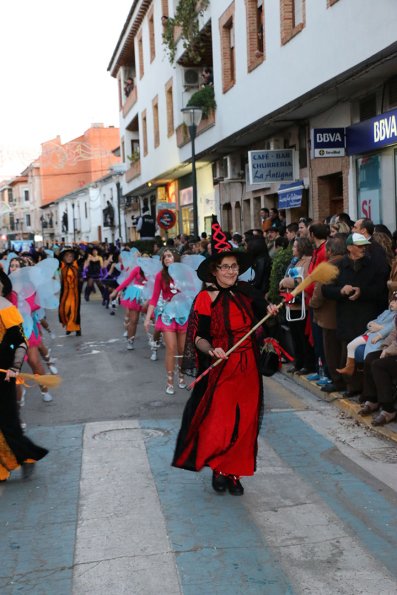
281,242
346,218
21,261
177,258
304,247
380,228
257,247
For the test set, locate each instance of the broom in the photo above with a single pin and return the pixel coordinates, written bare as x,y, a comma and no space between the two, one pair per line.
48,380
324,273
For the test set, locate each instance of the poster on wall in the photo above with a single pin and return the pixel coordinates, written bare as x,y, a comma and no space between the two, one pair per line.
271,166
369,205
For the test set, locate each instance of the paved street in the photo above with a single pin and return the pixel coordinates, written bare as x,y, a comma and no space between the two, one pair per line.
105,512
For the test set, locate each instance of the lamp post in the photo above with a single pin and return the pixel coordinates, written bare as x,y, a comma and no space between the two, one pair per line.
192,117
74,225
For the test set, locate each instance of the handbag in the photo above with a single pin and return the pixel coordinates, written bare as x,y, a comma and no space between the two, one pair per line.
270,357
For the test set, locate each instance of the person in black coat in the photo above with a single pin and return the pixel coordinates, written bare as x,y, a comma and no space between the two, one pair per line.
262,263
359,290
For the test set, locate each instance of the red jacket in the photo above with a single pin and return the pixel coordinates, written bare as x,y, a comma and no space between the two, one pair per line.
317,257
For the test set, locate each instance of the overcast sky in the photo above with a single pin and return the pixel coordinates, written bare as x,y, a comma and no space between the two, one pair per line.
54,81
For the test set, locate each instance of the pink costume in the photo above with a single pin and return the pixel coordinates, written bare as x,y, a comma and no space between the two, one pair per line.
167,293
132,291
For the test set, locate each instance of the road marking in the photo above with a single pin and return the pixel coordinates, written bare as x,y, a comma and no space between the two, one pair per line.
121,542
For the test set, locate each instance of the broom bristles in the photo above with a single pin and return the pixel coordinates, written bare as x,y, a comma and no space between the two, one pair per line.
49,380
324,273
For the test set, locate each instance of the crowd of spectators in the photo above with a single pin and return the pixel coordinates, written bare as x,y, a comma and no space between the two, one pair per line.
342,335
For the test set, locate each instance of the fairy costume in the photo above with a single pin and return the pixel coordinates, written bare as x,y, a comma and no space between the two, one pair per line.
168,317
15,448
132,288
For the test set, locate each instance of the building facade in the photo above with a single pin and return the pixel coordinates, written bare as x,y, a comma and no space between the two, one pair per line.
285,73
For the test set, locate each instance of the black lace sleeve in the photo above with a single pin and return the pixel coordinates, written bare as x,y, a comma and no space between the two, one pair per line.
194,361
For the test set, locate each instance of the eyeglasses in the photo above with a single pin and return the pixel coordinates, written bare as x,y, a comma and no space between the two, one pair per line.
228,267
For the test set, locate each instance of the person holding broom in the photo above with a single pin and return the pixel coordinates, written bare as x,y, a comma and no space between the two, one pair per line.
221,420
15,448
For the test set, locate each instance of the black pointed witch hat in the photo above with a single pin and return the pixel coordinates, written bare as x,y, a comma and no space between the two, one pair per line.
220,247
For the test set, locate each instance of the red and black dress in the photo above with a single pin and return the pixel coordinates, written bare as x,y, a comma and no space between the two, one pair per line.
221,421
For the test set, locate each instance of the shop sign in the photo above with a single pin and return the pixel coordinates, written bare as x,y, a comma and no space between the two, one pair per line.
165,205
328,142
166,219
372,134
271,166
290,195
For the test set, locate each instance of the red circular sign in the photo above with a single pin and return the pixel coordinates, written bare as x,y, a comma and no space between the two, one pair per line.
166,219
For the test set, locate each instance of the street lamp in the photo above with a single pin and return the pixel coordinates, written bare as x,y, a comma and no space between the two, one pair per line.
192,118
74,224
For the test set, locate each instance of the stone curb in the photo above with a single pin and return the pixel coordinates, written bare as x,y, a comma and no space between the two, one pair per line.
345,405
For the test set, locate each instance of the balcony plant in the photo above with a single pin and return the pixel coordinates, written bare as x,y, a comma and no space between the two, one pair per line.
204,98
135,156
186,18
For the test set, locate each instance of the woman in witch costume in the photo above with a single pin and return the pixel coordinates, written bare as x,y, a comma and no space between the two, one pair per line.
222,418
15,448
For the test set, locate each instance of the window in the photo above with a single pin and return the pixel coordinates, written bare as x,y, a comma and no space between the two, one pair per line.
151,37
140,54
255,33
26,195
164,10
156,128
226,24
27,220
170,108
292,18
144,131
367,108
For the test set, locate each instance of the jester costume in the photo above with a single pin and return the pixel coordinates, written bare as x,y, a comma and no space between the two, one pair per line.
15,448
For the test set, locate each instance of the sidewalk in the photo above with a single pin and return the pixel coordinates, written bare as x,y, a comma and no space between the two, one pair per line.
348,406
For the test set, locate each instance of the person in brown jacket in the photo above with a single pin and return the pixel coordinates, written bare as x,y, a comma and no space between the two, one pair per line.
324,313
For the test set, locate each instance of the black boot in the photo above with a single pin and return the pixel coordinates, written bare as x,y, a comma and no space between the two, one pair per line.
219,481
234,485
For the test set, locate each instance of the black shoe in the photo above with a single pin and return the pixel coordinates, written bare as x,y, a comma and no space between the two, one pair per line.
68,332
292,370
332,388
303,372
349,394
219,481
78,333
234,486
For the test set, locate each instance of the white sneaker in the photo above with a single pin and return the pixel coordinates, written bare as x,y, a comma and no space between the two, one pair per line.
125,334
153,357
182,383
47,397
169,390
22,401
52,369
130,344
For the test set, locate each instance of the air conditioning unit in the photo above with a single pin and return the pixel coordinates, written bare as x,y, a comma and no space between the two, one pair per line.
218,171
275,143
233,167
191,78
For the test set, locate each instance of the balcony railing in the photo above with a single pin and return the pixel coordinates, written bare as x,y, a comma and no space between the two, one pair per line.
182,132
133,171
130,101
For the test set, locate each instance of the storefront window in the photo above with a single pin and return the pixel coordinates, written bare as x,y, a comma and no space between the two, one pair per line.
369,188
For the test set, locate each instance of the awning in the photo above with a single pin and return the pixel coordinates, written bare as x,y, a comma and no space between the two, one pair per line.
290,195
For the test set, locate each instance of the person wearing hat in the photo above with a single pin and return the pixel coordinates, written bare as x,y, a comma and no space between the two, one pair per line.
359,291
69,299
221,420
